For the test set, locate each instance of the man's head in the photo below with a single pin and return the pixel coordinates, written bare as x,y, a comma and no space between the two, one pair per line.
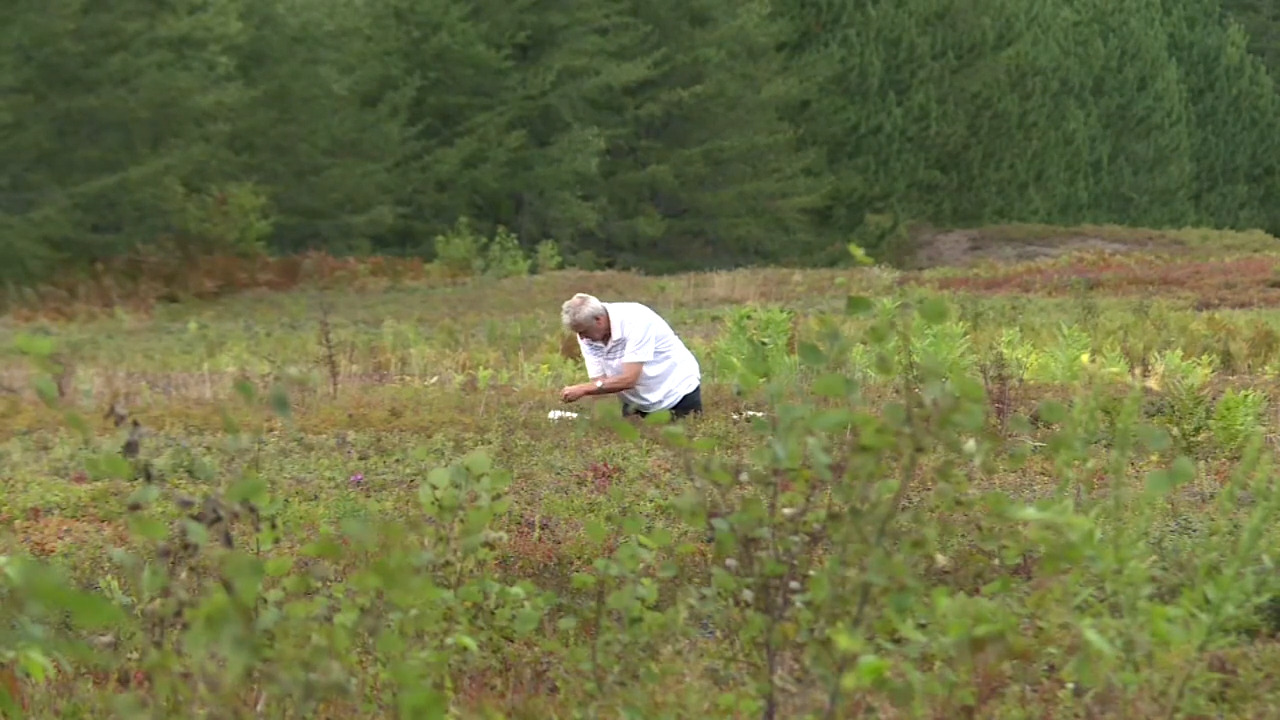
585,315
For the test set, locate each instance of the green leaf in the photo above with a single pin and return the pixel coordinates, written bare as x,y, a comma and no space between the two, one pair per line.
91,610
1097,641
279,401
1183,470
154,579
326,548
1052,412
527,620
35,664
251,488
77,423
1159,482
832,385
878,334
859,255
933,310
466,642
705,445
868,670
832,420
198,534
245,390
478,463
626,431
1163,482
147,528
109,466
438,478
884,365
1156,439
971,418
359,530
675,435
810,354
858,305
203,470
418,701
632,525
391,643
969,388
655,419
143,496
247,572
595,530
38,346
47,390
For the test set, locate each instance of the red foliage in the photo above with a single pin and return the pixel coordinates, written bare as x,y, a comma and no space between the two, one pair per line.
1237,283
12,686
601,475
141,280
44,535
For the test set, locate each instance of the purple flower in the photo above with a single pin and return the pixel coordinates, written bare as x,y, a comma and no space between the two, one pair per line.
357,479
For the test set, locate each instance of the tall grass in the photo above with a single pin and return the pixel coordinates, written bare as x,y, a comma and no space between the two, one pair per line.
942,510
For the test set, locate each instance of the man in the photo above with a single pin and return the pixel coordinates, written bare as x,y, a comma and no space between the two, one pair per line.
630,350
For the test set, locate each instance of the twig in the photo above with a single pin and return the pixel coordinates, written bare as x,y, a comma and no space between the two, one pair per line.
326,340
882,530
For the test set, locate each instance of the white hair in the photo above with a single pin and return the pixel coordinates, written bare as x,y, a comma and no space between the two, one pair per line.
580,310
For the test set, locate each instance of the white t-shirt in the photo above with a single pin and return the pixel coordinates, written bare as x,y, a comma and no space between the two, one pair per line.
638,334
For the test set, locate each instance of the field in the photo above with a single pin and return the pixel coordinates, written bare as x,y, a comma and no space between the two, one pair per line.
1026,488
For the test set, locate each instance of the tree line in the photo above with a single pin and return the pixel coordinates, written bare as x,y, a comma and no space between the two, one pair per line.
662,134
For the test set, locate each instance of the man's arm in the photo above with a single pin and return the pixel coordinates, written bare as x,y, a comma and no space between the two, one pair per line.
595,373
639,351
627,380
595,368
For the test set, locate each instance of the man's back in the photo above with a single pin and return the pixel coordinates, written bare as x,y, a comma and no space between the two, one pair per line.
641,335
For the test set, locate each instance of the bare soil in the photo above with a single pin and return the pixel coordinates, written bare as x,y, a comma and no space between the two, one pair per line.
965,248
929,247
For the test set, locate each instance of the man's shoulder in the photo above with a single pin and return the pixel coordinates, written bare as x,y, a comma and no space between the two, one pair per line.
629,306
633,313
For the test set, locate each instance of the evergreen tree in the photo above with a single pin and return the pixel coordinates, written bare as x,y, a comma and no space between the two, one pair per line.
112,112
566,60
662,135
326,129
1141,140
972,112
709,170
1261,22
1235,115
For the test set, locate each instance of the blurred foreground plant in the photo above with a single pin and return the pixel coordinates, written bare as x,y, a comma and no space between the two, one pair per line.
857,559
856,566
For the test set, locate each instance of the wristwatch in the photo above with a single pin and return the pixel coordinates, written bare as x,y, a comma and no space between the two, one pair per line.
599,384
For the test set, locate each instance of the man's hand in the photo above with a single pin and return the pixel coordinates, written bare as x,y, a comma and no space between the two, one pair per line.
574,393
625,381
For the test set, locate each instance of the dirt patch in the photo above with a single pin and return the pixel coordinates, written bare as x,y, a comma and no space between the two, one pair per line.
965,248
930,247
1246,282
44,535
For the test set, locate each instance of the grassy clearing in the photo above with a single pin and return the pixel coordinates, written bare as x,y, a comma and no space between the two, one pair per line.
1207,240
1243,282
996,246
349,502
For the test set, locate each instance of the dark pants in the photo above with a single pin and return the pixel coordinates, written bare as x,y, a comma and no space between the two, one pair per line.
691,403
